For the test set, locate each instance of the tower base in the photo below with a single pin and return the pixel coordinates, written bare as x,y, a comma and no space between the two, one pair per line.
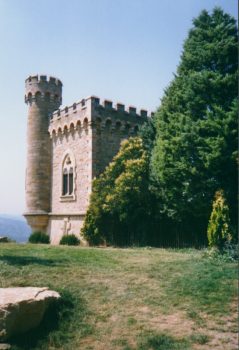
37,222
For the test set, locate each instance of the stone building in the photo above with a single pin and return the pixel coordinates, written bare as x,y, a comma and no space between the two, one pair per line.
66,149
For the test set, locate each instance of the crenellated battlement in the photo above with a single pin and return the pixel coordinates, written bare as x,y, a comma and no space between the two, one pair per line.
40,88
69,110
95,103
43,79
91,111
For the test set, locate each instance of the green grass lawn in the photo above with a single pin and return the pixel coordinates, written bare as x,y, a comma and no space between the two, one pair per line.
127,298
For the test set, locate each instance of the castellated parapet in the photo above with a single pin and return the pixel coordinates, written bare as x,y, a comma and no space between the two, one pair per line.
90,111
45,89
67,148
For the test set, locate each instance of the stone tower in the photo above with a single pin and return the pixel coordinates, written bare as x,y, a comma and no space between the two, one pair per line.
43,96
66,149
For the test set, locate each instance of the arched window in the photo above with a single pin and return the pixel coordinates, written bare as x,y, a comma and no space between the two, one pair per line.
67,177
38,96
47,96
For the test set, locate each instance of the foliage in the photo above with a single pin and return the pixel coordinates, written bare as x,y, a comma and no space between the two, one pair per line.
229,253
218,231
39,237
119,210
5,239
147,133
195,149
69,240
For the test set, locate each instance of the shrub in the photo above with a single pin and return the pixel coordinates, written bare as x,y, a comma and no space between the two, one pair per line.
4,239
231,251
69,240
39,237
218,231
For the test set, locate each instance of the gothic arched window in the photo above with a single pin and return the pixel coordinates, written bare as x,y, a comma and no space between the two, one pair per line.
67,177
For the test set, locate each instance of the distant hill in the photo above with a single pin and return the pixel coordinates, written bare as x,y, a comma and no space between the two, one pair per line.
15,227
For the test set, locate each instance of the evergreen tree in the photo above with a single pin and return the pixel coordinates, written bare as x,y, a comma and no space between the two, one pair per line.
195,149
218,231
147,132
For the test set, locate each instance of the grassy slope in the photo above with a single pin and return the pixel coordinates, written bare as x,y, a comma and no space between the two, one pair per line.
127,298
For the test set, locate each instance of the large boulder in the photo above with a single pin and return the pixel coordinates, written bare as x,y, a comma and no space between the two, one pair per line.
23,308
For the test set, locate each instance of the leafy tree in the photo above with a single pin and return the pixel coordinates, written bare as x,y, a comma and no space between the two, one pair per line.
218,231
195,149
119,210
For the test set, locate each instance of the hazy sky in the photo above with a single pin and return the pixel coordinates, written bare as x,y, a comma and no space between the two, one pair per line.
123,50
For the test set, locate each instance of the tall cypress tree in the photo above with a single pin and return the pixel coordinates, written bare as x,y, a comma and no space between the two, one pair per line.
195,150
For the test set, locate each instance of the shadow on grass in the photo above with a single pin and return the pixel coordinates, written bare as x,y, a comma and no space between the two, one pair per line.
55,328
29,260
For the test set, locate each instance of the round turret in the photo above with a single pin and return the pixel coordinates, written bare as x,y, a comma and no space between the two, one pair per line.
43,97
41,90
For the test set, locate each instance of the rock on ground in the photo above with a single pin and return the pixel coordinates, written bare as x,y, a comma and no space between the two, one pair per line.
23,308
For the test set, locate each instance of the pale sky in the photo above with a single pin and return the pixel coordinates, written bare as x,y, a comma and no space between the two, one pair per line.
123,50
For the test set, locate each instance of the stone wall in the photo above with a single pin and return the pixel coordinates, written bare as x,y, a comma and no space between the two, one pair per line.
65,224
77,144
71,136
90,133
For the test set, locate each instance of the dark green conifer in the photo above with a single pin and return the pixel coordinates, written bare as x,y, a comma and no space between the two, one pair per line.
195,150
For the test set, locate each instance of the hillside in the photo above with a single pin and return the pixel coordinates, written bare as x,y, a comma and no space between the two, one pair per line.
127,299
14,227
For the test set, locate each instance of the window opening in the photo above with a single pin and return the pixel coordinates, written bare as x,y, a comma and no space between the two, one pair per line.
67,178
